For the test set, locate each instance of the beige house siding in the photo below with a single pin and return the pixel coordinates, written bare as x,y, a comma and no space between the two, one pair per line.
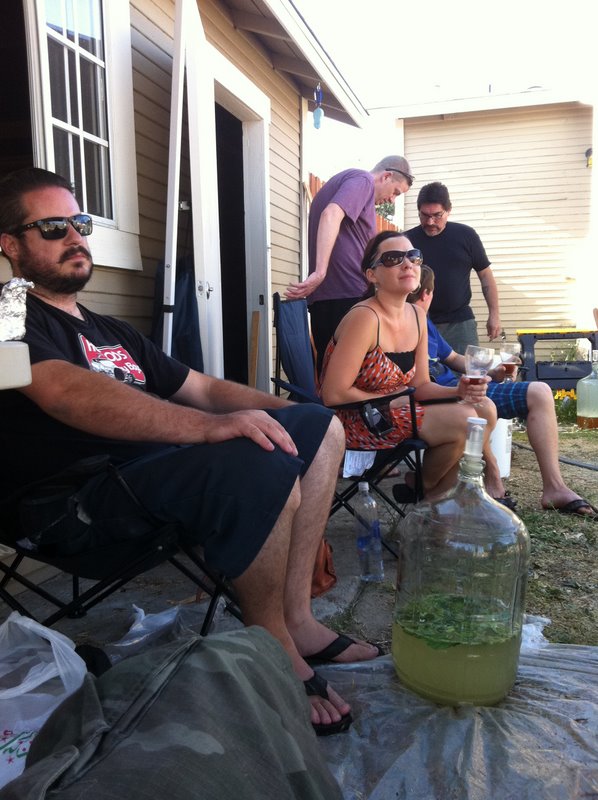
519,177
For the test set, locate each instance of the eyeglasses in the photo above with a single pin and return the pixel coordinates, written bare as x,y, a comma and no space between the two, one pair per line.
392,258
408,178
57,227
437,216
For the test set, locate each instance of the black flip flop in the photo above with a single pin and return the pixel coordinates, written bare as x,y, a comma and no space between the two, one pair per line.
574,506
334,649
507,501
316,685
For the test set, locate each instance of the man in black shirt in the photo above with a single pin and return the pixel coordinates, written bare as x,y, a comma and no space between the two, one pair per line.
247,475
453,250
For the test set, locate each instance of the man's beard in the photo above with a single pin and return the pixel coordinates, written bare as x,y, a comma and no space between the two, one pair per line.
43,277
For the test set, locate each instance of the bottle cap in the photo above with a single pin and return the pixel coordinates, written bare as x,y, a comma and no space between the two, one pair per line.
475,436
363,486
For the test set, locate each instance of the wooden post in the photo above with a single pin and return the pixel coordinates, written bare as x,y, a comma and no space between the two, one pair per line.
253,348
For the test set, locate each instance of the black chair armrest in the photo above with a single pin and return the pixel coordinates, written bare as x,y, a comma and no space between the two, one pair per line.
377,423
296,391
377,402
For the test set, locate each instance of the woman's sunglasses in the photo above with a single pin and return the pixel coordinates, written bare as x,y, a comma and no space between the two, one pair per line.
392,258
57,227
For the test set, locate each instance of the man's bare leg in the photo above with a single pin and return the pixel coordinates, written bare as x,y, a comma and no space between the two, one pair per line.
543,434
262,588
317,488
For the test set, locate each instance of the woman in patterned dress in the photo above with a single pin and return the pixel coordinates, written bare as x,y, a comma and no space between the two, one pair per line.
380,347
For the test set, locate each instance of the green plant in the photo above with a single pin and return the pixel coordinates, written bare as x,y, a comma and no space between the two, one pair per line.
575,350
386,210
565,406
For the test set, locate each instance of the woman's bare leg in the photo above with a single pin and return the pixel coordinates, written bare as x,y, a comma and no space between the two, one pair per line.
444,428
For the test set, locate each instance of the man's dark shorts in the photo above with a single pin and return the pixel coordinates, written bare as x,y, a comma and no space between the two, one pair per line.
226,496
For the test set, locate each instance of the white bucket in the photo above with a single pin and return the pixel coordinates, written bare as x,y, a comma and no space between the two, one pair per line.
500,443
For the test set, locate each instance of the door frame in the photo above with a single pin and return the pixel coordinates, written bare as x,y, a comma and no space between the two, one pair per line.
243,99
212,78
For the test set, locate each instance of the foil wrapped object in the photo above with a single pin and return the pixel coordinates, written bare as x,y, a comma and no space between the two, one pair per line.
13,309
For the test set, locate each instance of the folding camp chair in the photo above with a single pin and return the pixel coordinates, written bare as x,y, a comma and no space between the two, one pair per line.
295,358
110,566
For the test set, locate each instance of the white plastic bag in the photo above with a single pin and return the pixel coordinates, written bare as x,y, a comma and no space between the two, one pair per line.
38,670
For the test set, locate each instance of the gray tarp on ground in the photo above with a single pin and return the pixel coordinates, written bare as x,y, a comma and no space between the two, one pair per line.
541,743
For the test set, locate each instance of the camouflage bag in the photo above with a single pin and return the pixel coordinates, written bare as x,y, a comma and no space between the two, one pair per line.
210,718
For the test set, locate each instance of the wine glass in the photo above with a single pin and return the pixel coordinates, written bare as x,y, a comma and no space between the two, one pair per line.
509,356
478,361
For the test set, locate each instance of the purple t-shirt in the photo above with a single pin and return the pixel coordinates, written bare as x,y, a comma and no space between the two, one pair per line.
353,191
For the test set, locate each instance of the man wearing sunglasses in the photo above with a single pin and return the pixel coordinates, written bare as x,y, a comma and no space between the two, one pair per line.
453,250
247,475
342,220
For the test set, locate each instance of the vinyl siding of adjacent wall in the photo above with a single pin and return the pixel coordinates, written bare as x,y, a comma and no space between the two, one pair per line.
519,177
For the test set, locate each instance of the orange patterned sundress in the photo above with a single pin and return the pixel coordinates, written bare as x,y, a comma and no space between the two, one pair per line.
378,373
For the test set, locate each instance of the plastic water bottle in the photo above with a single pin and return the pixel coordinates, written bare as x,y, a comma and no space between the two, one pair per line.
367,528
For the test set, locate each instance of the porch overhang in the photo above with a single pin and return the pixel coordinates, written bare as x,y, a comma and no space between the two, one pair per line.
293,49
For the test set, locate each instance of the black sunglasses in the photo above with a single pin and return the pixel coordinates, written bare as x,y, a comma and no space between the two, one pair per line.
408,178
392,258
57,227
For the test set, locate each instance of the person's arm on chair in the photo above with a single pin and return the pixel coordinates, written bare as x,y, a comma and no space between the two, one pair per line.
97,404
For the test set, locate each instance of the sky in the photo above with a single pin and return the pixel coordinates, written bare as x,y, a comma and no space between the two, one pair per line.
409,51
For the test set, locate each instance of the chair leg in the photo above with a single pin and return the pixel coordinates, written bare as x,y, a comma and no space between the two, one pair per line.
78,611
212,583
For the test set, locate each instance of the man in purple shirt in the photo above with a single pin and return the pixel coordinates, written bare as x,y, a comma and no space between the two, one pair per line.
342,220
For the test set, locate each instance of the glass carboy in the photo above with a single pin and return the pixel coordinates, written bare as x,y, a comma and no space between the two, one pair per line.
587,397
462,570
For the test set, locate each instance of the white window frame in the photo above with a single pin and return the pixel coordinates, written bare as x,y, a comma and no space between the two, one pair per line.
115,242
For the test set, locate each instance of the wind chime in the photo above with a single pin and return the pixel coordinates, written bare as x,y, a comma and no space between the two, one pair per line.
318,110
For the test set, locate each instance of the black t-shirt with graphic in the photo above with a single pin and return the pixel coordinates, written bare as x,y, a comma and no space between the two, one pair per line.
33,445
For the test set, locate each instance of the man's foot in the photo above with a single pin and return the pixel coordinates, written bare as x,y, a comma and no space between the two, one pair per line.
322,698
578,507
314,640
333,652
569,503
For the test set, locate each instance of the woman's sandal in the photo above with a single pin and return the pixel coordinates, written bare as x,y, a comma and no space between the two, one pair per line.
507,501
316,685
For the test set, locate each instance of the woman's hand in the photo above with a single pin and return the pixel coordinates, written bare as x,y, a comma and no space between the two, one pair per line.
472,390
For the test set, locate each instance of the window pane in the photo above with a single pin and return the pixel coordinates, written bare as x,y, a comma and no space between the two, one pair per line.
70,21
58,85
67,160
97,171
54,17
77,77
93,99
90,27
74,120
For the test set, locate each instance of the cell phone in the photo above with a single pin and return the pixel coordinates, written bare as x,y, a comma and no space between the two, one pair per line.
375,420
